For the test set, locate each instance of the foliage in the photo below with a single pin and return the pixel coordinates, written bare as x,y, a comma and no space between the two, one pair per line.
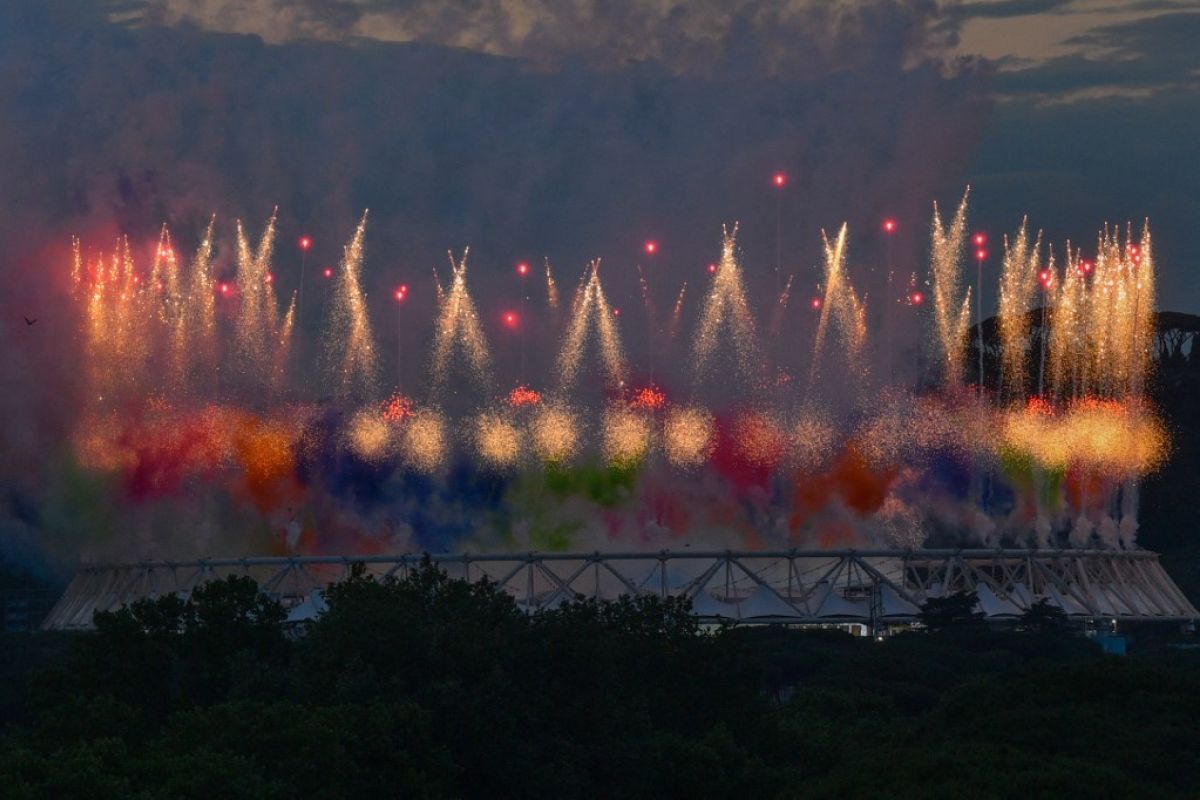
1043,617
423,686
954,612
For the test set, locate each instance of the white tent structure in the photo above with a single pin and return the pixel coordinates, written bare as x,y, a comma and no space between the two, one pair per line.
874,588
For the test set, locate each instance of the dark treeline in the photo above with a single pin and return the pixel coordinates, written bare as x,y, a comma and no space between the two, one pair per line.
430,687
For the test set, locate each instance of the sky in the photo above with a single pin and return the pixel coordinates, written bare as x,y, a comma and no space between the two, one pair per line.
571,130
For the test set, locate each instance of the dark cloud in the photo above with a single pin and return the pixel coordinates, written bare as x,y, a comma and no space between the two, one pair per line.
777,37
1147,54
957,13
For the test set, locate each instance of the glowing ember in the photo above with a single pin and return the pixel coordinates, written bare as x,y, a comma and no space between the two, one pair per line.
398,408
524,396
688,437
648,397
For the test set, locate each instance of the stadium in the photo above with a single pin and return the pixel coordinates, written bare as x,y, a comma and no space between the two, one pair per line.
866,591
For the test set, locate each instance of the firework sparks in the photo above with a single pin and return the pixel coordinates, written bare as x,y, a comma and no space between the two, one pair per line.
591,311
951,304
350,346
649,398
626,436
458,329
726,306
555,431
551,288
1018,284
688,436
153,334
524,396
841,304
369,436
397,409
426,440
497,440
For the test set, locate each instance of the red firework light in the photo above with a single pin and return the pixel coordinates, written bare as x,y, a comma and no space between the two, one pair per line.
522,269
780,179
397,408
524,396
328,273
649,397
889,226
651,247
305,242
979,239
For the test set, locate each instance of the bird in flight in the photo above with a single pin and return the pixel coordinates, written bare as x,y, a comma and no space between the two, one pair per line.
29,321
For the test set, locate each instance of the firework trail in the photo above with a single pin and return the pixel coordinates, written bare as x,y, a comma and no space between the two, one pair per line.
1018,285
194,351
779,311
350,346
1068,331
677,312
458,329
726,306
551,289
841,304
951,304
590,311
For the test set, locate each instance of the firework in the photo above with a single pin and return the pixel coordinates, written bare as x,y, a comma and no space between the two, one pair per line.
812,440
180,360
590,311
425,440
369,436
726,307
841,304
458,329
556,434
551,289
626,436
1018,283
951,305
524,396
649,398
497,440
350,346
688,436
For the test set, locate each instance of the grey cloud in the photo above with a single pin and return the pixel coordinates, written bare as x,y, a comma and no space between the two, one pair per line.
1153,53
765,36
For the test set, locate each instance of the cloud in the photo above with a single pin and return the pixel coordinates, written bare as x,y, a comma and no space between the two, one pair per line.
778,37
1141,56
1003,9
